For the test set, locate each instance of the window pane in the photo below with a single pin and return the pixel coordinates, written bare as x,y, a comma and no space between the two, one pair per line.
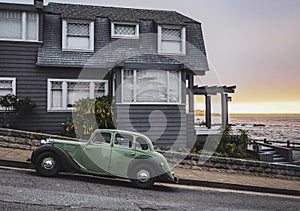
123,140
10,24
99,89
141,144
151,86
32,26
171,34
78,29
78,43
6,84
56,95
102,138
171,46
77,91
122,29
174,87
5,87
128,86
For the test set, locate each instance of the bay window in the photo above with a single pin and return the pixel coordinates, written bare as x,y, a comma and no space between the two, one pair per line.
63,93
17,25
151,86
78,35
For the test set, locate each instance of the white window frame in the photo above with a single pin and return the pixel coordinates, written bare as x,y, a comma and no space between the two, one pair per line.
91,35
24,29
65,92
137,30
151,103
14,87
183,39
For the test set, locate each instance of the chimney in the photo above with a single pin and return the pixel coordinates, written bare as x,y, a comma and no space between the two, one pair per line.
39,4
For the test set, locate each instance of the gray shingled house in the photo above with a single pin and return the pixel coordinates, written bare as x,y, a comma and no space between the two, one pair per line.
146,59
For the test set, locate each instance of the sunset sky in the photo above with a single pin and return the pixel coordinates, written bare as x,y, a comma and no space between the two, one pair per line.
253,44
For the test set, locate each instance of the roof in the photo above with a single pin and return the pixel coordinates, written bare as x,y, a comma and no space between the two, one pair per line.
89,12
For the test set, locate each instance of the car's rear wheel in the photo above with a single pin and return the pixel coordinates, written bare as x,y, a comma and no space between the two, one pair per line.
142,176
47,164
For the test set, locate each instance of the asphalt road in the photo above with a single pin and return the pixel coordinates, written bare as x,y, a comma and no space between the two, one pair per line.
24,190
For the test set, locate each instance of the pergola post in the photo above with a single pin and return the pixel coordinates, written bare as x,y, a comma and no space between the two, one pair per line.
224,103
191,93
208,111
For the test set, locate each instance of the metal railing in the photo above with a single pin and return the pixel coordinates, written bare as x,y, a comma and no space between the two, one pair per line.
288,144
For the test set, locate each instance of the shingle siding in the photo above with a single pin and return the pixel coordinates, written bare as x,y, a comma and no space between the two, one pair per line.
164,124
88,12
32,82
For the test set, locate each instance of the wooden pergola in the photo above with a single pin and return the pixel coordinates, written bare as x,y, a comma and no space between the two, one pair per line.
208,91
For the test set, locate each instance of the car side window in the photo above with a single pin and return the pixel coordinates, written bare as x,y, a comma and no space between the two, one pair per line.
101,138
123,140
141,144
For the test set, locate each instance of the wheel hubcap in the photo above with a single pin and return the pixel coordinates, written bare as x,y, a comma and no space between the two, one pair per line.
48,163
143,175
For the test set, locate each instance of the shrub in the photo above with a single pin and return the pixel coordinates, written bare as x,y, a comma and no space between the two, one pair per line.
89,115
231,145
12,102
13,107
8,101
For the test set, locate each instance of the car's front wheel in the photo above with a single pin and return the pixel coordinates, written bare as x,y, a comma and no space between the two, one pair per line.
142,176
47,164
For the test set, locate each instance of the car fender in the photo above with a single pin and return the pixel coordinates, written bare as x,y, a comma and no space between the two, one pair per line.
158,170
66,161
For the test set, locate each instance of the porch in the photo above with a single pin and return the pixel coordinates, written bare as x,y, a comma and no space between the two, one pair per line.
207,127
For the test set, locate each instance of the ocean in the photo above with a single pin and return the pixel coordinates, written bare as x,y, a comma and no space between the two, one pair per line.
272,127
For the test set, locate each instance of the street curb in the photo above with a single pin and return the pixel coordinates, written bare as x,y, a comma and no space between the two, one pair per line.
27,165
16,164
238,187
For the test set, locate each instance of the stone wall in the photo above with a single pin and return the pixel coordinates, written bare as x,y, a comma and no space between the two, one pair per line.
24,140
231,165
29,141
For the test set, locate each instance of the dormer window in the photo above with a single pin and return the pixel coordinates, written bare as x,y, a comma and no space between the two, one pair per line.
18,26
171,40
78,35
125,30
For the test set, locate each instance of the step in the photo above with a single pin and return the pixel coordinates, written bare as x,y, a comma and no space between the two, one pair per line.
267,152
277,155
266,148
281,159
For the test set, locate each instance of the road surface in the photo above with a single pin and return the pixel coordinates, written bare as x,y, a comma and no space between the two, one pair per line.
24,190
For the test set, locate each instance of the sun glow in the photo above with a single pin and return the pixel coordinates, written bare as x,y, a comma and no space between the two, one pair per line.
265,107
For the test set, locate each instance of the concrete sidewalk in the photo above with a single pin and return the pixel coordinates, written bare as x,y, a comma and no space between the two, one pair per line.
187,176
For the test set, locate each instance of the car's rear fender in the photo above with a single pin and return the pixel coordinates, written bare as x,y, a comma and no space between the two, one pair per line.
149,161
66,161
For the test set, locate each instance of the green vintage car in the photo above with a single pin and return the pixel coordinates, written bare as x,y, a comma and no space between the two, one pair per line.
108,152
